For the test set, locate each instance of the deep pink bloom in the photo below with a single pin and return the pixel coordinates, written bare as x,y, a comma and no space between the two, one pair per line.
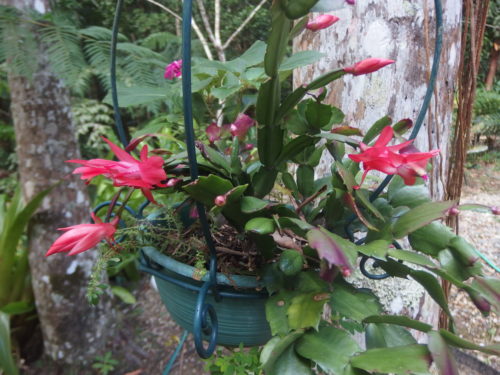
239,128
321,22
367,66
79,238
173,70
214,132
143,174
352,2
403,159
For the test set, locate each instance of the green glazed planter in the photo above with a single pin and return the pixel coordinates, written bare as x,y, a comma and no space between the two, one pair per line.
240,319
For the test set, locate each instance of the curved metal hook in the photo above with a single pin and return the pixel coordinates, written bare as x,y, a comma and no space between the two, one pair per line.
202,326
374,276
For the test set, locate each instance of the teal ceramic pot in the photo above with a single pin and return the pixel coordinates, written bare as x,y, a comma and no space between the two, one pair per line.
240,319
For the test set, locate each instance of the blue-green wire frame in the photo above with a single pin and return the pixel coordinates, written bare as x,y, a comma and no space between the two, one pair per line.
201,323
205,320
122,135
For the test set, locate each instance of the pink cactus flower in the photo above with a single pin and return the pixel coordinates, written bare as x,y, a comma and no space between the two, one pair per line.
173,70
403,159
143,174
239,128
82,237
321,22
367,66
215,132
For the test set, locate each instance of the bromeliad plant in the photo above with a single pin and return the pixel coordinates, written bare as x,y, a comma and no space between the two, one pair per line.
306,234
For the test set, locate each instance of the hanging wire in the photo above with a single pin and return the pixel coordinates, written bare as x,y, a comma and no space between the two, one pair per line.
114,92
205,319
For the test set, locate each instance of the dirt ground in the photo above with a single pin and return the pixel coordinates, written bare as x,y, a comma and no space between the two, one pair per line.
146,336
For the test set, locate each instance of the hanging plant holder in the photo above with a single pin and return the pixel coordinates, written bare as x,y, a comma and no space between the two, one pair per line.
218,309
237,318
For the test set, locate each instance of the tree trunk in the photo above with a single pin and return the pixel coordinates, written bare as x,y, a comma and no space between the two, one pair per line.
402,31
493,65
73,331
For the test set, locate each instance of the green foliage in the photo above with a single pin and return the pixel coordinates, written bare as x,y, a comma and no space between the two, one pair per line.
96,288
16,296
105,364
77,55
7,362
14,271
238,361
17,43
487,113
93,120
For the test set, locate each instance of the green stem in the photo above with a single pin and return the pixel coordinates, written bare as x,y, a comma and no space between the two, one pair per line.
124,203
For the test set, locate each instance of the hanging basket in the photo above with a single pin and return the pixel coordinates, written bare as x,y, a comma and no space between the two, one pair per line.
240,311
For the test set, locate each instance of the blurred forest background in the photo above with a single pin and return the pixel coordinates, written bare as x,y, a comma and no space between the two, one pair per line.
76,35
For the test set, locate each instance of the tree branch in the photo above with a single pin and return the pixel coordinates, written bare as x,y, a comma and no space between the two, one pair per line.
242,26
217,22
206,20
199,34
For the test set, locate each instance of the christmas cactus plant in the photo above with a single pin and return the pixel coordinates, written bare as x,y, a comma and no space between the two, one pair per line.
303,235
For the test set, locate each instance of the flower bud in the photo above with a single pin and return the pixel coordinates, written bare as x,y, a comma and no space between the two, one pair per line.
220,200
321,22
495,210
453,211
480,302
346,272
367,66
193,212
172,182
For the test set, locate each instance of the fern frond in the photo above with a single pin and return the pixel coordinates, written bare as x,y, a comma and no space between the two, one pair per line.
140,64
17,43
138,51
64,51
163,41
100,33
